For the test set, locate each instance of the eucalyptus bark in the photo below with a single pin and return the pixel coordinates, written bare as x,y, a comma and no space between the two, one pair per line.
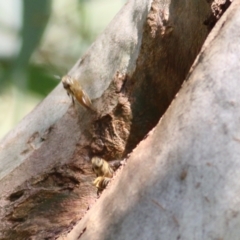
132,73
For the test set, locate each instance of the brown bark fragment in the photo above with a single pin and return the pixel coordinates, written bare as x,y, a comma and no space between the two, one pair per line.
218,7
58,195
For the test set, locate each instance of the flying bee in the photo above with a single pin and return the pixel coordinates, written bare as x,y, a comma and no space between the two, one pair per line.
75,91
103,171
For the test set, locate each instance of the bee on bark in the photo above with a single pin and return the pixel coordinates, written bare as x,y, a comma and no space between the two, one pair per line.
103,171
75,91
100,183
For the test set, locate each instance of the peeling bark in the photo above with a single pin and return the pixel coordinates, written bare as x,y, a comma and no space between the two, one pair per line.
218,7
131,73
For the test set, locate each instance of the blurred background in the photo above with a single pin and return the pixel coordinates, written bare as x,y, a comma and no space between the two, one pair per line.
39,40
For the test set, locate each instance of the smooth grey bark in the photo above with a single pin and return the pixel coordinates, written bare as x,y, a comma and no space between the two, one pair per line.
182,182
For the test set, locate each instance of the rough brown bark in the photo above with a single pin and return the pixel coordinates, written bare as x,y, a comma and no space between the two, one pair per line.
132,72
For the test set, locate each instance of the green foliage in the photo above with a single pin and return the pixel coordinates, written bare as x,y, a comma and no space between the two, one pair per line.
78,21
35,17
40,81
54,35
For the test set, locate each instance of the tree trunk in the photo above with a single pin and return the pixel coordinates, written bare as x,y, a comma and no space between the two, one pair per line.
167,189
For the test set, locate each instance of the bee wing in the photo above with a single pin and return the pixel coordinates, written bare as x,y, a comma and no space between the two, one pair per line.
111,171
73,101
86,100
115,164
57,77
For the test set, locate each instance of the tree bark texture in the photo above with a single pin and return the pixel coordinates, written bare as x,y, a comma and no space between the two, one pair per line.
132,73
183,180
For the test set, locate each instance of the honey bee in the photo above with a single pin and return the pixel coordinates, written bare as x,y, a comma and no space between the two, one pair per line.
75,91
101,167
103,171
101,182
